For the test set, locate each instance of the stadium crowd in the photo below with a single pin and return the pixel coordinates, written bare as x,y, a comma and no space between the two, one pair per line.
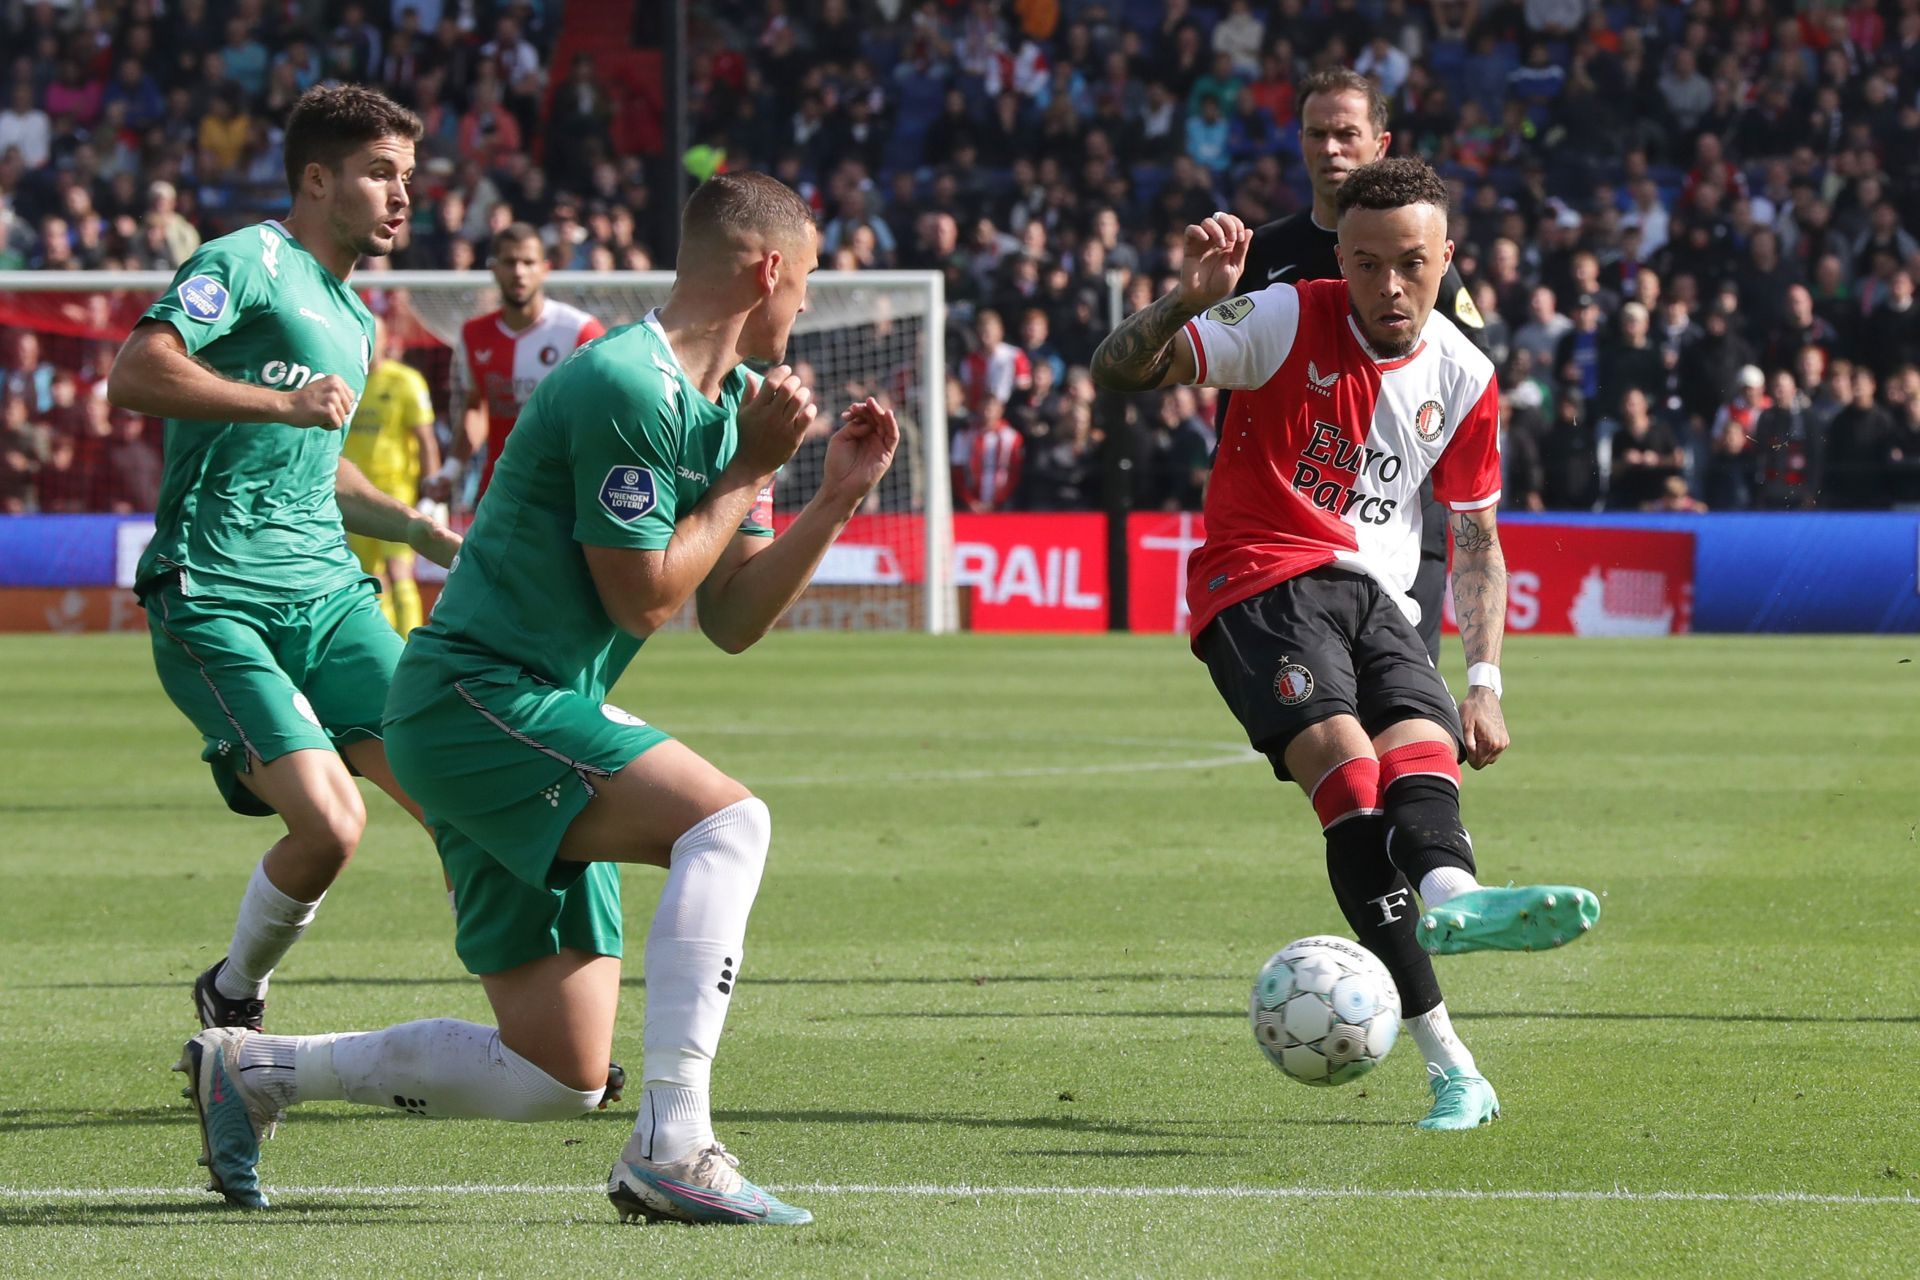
1690,227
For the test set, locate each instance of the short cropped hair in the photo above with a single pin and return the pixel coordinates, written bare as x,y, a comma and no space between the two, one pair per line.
331,122
1347,80
1392,184
739,206
513,235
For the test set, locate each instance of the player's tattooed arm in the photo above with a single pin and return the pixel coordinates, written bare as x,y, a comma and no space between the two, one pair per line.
1479,585
1480,608
1141,352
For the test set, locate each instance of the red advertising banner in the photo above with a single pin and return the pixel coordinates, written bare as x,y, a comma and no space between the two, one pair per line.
1561,579
1021,572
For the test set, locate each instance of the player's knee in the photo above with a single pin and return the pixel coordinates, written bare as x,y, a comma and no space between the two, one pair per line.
535,1095
332,835
739,834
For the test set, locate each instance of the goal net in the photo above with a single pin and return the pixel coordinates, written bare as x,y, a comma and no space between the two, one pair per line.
869,333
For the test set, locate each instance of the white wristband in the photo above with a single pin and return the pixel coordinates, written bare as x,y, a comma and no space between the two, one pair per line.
1485,675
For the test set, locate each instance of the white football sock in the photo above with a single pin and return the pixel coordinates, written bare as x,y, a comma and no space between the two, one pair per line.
693,962
1433,1032
1442,883
270,923
435,1067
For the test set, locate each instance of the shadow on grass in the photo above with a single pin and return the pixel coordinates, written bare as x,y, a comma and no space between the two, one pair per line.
27,1119
1053,1124
289,1213
637,982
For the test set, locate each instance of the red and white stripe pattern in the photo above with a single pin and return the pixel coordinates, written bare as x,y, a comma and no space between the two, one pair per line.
1325,447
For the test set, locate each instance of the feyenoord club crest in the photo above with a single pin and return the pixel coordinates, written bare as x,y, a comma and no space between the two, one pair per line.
1430,421
1293,685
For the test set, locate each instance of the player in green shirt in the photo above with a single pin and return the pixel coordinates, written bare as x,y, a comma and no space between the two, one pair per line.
639,477
266,632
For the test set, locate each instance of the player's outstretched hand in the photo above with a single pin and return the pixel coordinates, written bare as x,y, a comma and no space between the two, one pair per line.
773,421
1215,258
432,539
862,449
326,402
1485,726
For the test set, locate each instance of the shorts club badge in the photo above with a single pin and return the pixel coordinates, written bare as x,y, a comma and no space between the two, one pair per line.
1293,684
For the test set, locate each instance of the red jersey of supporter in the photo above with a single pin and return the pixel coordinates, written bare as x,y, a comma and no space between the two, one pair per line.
1322,453
998,372
503,367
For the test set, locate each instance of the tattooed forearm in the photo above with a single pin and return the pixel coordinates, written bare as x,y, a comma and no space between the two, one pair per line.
1137,355
1479,585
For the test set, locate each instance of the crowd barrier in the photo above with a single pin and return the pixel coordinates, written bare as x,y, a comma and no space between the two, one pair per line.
1570,574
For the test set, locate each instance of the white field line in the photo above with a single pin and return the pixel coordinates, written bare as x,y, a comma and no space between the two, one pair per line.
964,1190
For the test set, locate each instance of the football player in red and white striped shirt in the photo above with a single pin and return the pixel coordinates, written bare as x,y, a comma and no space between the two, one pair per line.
1348,394
502,356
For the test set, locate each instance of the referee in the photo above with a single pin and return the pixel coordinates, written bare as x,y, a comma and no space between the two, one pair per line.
1343,125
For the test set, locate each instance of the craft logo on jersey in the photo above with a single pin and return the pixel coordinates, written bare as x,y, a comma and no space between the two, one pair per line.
1293,685
1233,310
628,493
1430,421
1323,383
204,298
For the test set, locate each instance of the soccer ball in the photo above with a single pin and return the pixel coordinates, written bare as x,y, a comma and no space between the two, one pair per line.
1324,1010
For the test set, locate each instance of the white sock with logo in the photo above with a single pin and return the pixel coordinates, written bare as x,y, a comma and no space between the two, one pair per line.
1433,1032
693,962
269,924
434,1067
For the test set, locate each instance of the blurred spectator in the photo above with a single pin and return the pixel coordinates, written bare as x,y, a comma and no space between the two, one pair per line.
1540,336
1859,444
1523,477
1576,358
24,125
1891,336
1730,471
1644,455
996,369
29,379
1062,465
1568,455
987,459
1789,446
1630,360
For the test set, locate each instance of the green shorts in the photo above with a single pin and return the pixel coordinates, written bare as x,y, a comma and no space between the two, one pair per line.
260,679
502,764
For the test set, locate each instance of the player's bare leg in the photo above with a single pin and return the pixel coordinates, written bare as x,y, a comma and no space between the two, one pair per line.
1338,766
314,795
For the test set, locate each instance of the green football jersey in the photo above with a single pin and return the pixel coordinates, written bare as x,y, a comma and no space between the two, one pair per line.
247,510
613,447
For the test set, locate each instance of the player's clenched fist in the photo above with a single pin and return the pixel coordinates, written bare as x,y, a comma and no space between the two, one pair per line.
774,420
326,402
1215,257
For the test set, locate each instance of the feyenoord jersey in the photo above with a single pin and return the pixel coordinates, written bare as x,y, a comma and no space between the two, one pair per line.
503,367
1325,445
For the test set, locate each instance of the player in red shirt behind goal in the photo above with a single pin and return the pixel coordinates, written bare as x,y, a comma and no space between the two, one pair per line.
503,355
1352,391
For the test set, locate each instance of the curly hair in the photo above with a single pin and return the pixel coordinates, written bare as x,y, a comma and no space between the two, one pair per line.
331,122
1393,184
1346,80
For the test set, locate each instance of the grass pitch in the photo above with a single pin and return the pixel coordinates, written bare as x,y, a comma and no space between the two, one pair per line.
993,1015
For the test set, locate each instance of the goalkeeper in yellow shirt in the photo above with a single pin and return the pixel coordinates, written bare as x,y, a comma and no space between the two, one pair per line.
392,440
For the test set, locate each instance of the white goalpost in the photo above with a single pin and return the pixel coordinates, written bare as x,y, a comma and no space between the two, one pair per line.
878,333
